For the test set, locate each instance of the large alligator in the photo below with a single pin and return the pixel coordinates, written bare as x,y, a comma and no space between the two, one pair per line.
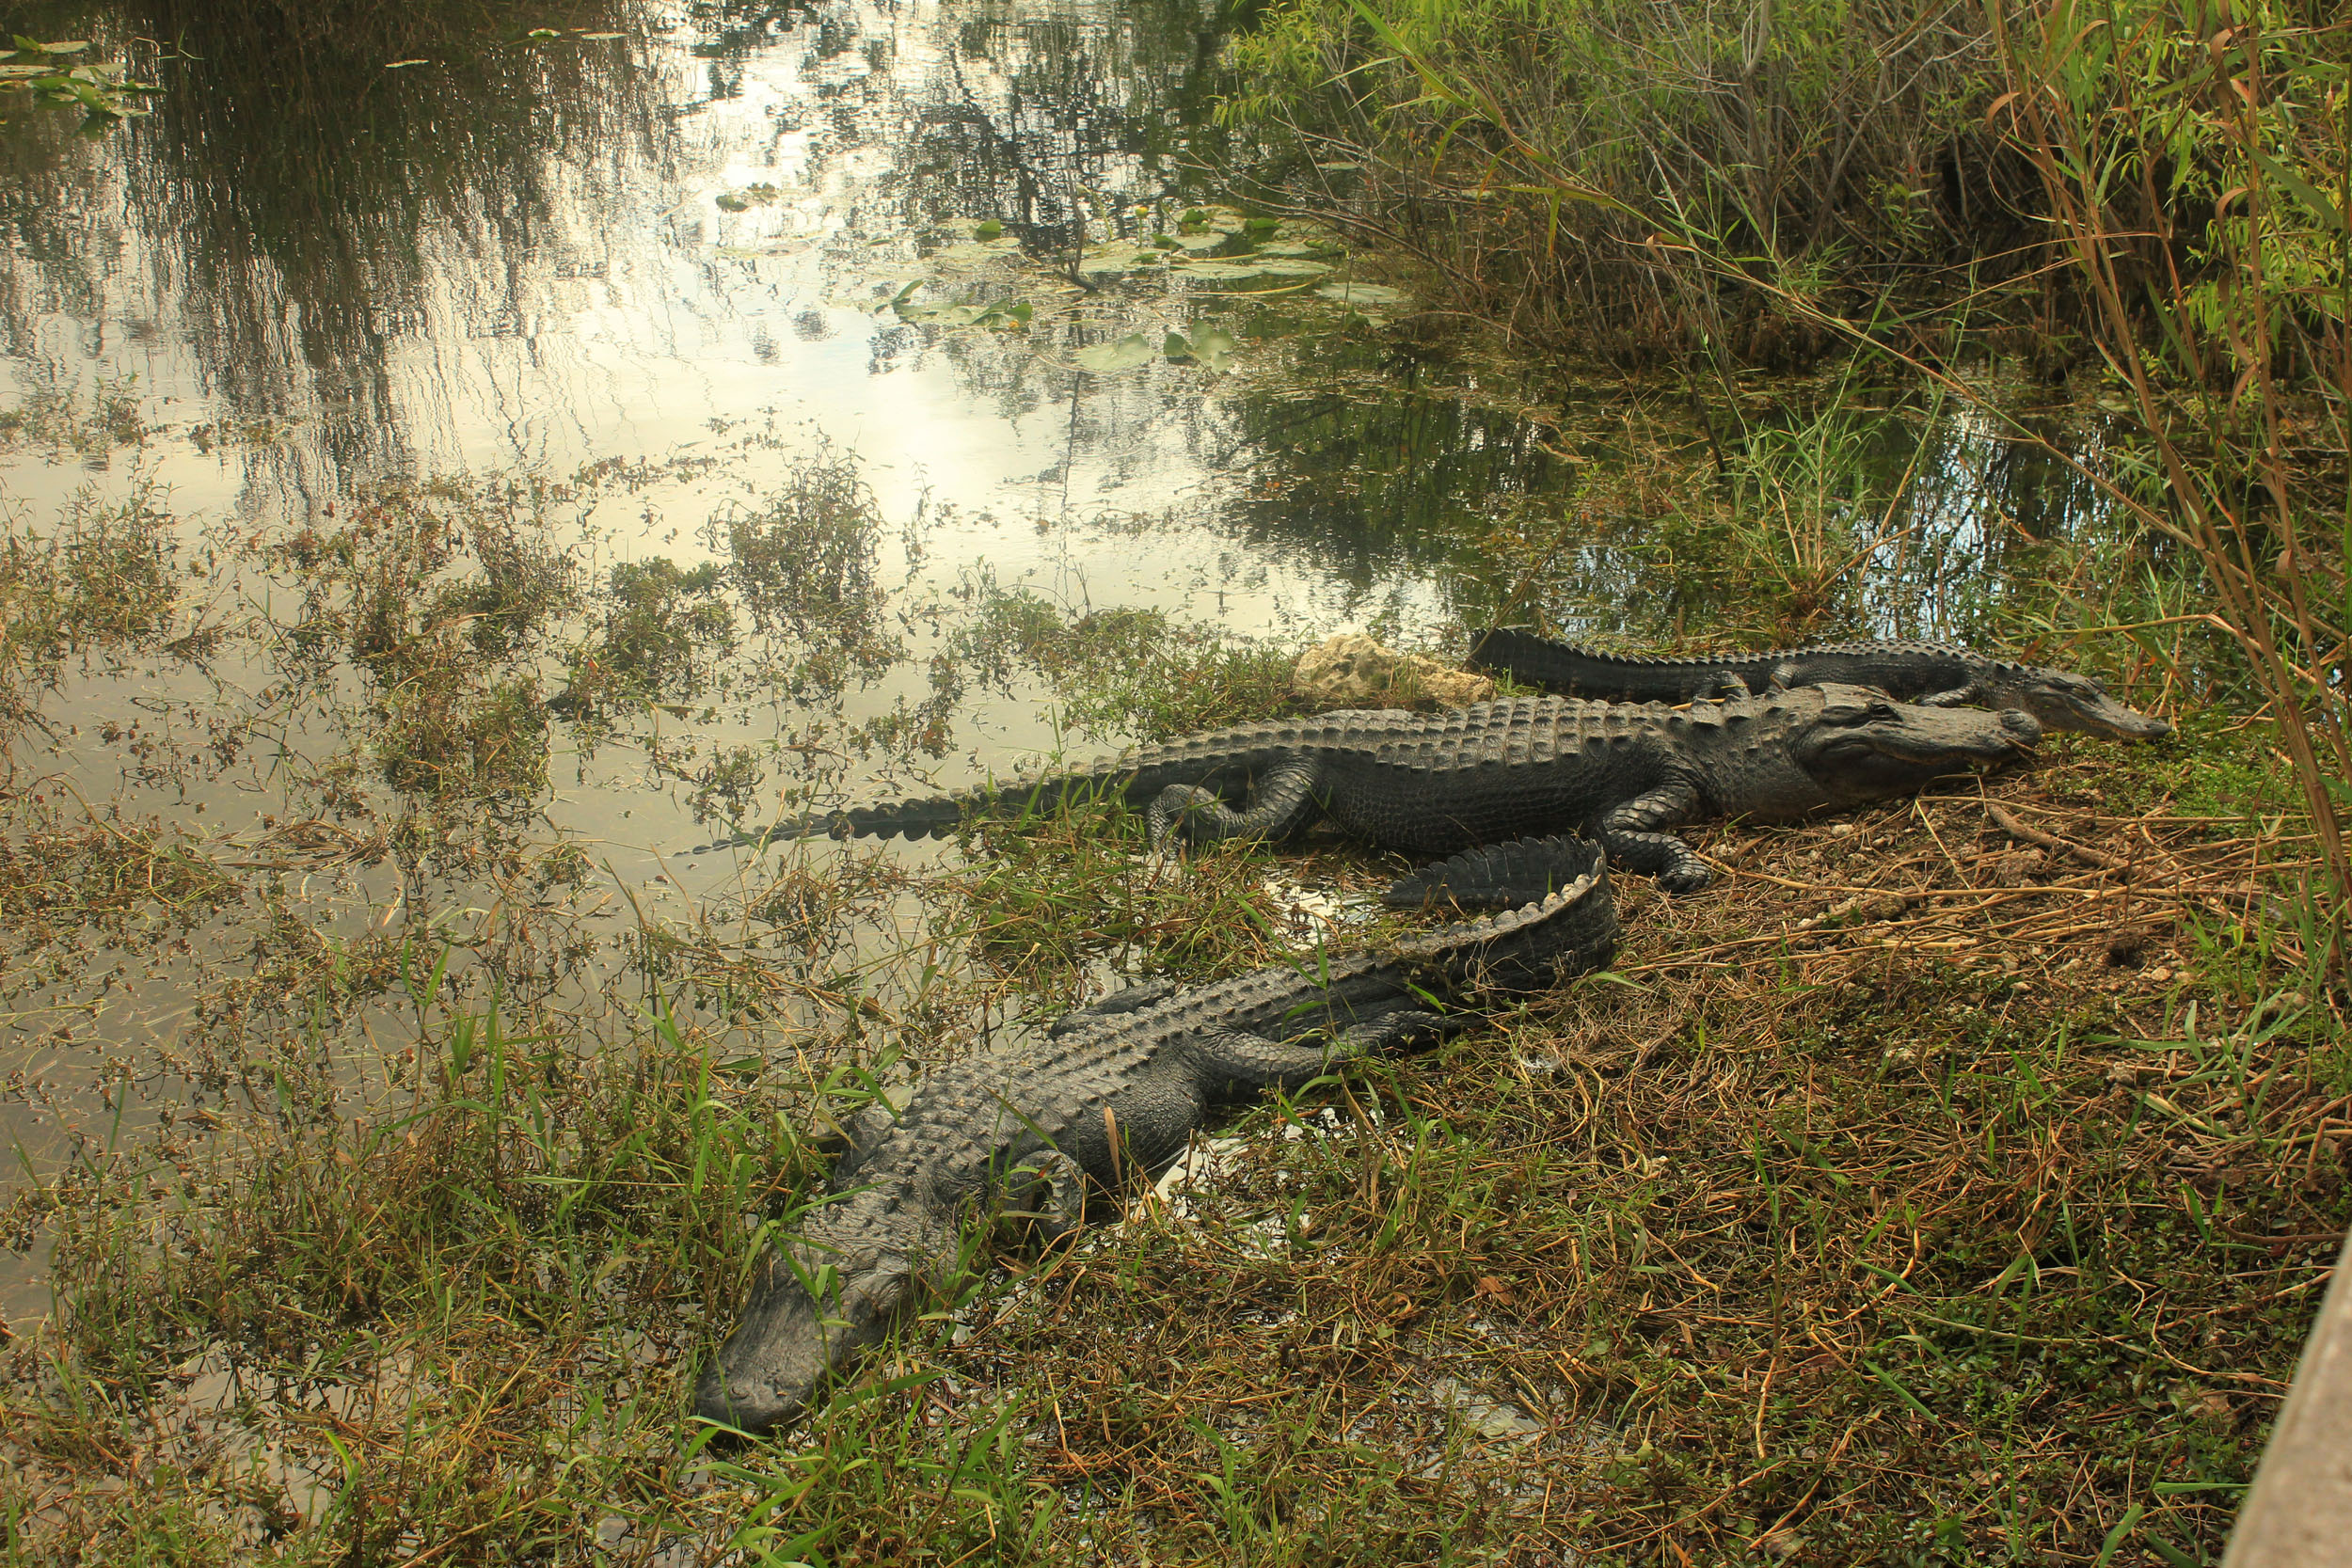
1436,784
1111,1097
1935,674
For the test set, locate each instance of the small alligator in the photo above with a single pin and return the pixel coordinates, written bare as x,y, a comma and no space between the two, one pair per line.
1934,674
1436,784
1111,1097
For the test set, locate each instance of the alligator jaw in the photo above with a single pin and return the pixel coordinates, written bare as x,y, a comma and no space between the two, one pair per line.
1863,747
2096,713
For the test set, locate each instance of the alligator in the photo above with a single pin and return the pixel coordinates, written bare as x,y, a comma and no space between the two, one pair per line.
1049,1133
1933,674
1436,784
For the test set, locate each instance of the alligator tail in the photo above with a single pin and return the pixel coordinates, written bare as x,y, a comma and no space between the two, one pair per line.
1572,671
1495,876
935,816
1516,652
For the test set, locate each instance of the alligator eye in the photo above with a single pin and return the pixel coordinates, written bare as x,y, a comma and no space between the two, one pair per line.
1881,710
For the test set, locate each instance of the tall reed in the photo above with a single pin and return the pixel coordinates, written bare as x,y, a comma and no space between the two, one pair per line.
2196,161
1534,153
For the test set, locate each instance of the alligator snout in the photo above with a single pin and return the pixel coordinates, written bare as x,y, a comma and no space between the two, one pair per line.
744,1401
2019,728
748,1405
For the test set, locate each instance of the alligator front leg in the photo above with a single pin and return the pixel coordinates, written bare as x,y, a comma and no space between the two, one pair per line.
1631,835
1724,685
1284,802
1958,696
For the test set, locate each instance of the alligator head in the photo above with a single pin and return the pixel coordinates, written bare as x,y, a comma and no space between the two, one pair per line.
2063,700
1863,746
788,1341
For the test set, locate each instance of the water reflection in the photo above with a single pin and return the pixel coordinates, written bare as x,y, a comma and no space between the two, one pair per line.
533,250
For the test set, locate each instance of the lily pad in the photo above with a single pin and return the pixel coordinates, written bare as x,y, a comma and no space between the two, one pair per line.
1133,350
1366,297
1000,313
1253,266
1209,347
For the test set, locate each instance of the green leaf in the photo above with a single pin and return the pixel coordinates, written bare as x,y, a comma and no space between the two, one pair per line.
1212,346
2305,192
2115,1537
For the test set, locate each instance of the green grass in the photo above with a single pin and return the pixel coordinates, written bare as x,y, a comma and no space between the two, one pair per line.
1919,1256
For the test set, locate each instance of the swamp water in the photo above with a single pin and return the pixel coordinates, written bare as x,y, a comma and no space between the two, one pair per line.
451,490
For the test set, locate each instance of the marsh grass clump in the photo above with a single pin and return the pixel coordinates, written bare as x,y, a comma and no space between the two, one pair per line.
497,1257
1531,155
1047,897
89,427
804,563
443,596
662,631
446,734
1119,674
727,786
104,581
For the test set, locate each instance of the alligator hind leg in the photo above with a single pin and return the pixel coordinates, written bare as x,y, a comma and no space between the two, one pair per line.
1282,804
1047,1193
855,1138
1234,1058
1113,1005
1631,835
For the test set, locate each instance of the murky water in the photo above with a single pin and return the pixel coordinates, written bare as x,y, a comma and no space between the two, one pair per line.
737,264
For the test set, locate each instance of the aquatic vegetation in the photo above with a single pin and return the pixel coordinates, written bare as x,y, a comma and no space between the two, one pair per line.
661,631
113,415
104,581
51,72
728,785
